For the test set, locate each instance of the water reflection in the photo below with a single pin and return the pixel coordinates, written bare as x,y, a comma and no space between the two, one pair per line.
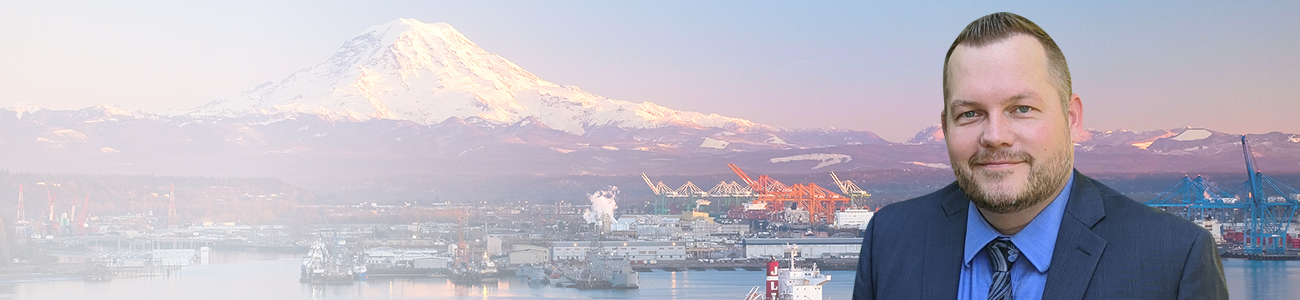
1249,279
277,278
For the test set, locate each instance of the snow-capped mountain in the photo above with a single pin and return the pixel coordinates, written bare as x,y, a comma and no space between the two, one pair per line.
930,135
413,98
428,73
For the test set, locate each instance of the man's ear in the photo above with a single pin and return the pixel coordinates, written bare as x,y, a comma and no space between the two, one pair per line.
1074,115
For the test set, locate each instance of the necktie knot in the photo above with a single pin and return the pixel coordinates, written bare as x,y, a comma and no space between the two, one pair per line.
1003,253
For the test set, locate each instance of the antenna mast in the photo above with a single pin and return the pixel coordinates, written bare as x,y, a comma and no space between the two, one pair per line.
22,213
171,208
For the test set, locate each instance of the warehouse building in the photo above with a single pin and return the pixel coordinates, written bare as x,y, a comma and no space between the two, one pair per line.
808,247
631,250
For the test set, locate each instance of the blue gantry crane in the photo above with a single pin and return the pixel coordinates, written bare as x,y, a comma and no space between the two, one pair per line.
1269,217
1196,199
1265,206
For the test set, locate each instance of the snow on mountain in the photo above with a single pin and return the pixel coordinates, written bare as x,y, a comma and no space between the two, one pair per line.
1193,134
930,135
22,108
1122,139
428,73
108,139
823,159
413,98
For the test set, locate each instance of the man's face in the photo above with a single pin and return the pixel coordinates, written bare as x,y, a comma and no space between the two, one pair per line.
1009,139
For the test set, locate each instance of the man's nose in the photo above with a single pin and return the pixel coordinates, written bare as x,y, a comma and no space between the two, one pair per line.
997,132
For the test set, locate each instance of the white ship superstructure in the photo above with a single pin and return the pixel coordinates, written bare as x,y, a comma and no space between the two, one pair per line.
791,283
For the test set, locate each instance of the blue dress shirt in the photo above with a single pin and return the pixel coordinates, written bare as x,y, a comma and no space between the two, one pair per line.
1036,242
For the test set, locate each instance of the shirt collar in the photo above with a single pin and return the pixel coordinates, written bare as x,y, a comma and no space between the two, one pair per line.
1036,241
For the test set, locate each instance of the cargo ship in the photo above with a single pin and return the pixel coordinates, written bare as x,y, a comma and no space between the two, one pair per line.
791,283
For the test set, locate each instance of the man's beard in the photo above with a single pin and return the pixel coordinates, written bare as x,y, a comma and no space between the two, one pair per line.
1046,177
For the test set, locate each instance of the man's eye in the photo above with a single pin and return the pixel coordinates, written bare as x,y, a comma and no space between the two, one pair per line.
1023,109
969,114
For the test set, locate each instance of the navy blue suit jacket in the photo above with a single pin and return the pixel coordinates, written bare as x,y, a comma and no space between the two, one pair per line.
1109,247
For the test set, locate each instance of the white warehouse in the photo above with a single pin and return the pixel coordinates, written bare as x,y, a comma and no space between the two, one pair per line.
810,248
631,250
853,218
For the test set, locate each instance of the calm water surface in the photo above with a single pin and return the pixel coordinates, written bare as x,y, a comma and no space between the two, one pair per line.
255,276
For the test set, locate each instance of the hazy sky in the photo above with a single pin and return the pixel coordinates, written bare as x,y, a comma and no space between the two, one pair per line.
867,66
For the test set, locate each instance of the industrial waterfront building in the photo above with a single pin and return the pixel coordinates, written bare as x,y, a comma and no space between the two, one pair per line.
808,247
632,250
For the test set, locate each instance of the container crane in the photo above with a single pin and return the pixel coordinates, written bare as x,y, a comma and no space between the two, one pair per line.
858,196
1267,218
690,194
81,217
819,202
733,196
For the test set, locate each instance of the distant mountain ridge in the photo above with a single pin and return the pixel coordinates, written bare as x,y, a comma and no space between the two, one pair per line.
407,97
106,139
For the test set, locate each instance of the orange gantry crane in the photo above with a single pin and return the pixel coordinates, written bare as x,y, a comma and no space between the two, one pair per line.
81,216
819,202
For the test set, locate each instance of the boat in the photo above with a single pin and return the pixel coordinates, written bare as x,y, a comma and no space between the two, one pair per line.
326,264
790,283
487,269
602,270
465,276
535,274
625,278
470,273
592,283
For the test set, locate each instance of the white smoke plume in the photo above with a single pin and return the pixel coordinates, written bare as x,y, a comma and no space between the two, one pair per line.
602,203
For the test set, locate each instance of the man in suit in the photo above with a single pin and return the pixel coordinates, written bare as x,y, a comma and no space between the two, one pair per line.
1019,222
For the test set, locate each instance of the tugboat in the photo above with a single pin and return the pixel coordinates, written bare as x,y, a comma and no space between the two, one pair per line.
790,283
465,276
487,269
464,272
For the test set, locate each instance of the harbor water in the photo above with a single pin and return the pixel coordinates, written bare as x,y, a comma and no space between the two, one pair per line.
264,276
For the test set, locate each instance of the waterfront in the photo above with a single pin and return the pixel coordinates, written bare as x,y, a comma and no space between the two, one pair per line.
275,276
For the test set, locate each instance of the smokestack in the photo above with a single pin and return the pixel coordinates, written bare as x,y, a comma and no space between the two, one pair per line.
601,213
606,221
773,290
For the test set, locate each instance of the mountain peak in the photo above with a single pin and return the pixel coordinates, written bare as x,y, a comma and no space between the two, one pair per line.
404,25
23,107
932,134
428,72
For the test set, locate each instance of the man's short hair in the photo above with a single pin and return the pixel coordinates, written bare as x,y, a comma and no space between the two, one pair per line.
1000,26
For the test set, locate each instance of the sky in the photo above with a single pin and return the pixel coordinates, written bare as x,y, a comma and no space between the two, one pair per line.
859,65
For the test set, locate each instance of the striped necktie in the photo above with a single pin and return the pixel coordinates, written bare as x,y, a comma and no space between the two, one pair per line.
1002,253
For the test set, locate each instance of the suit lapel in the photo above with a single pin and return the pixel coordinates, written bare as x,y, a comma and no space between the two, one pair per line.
1078,249
943,249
